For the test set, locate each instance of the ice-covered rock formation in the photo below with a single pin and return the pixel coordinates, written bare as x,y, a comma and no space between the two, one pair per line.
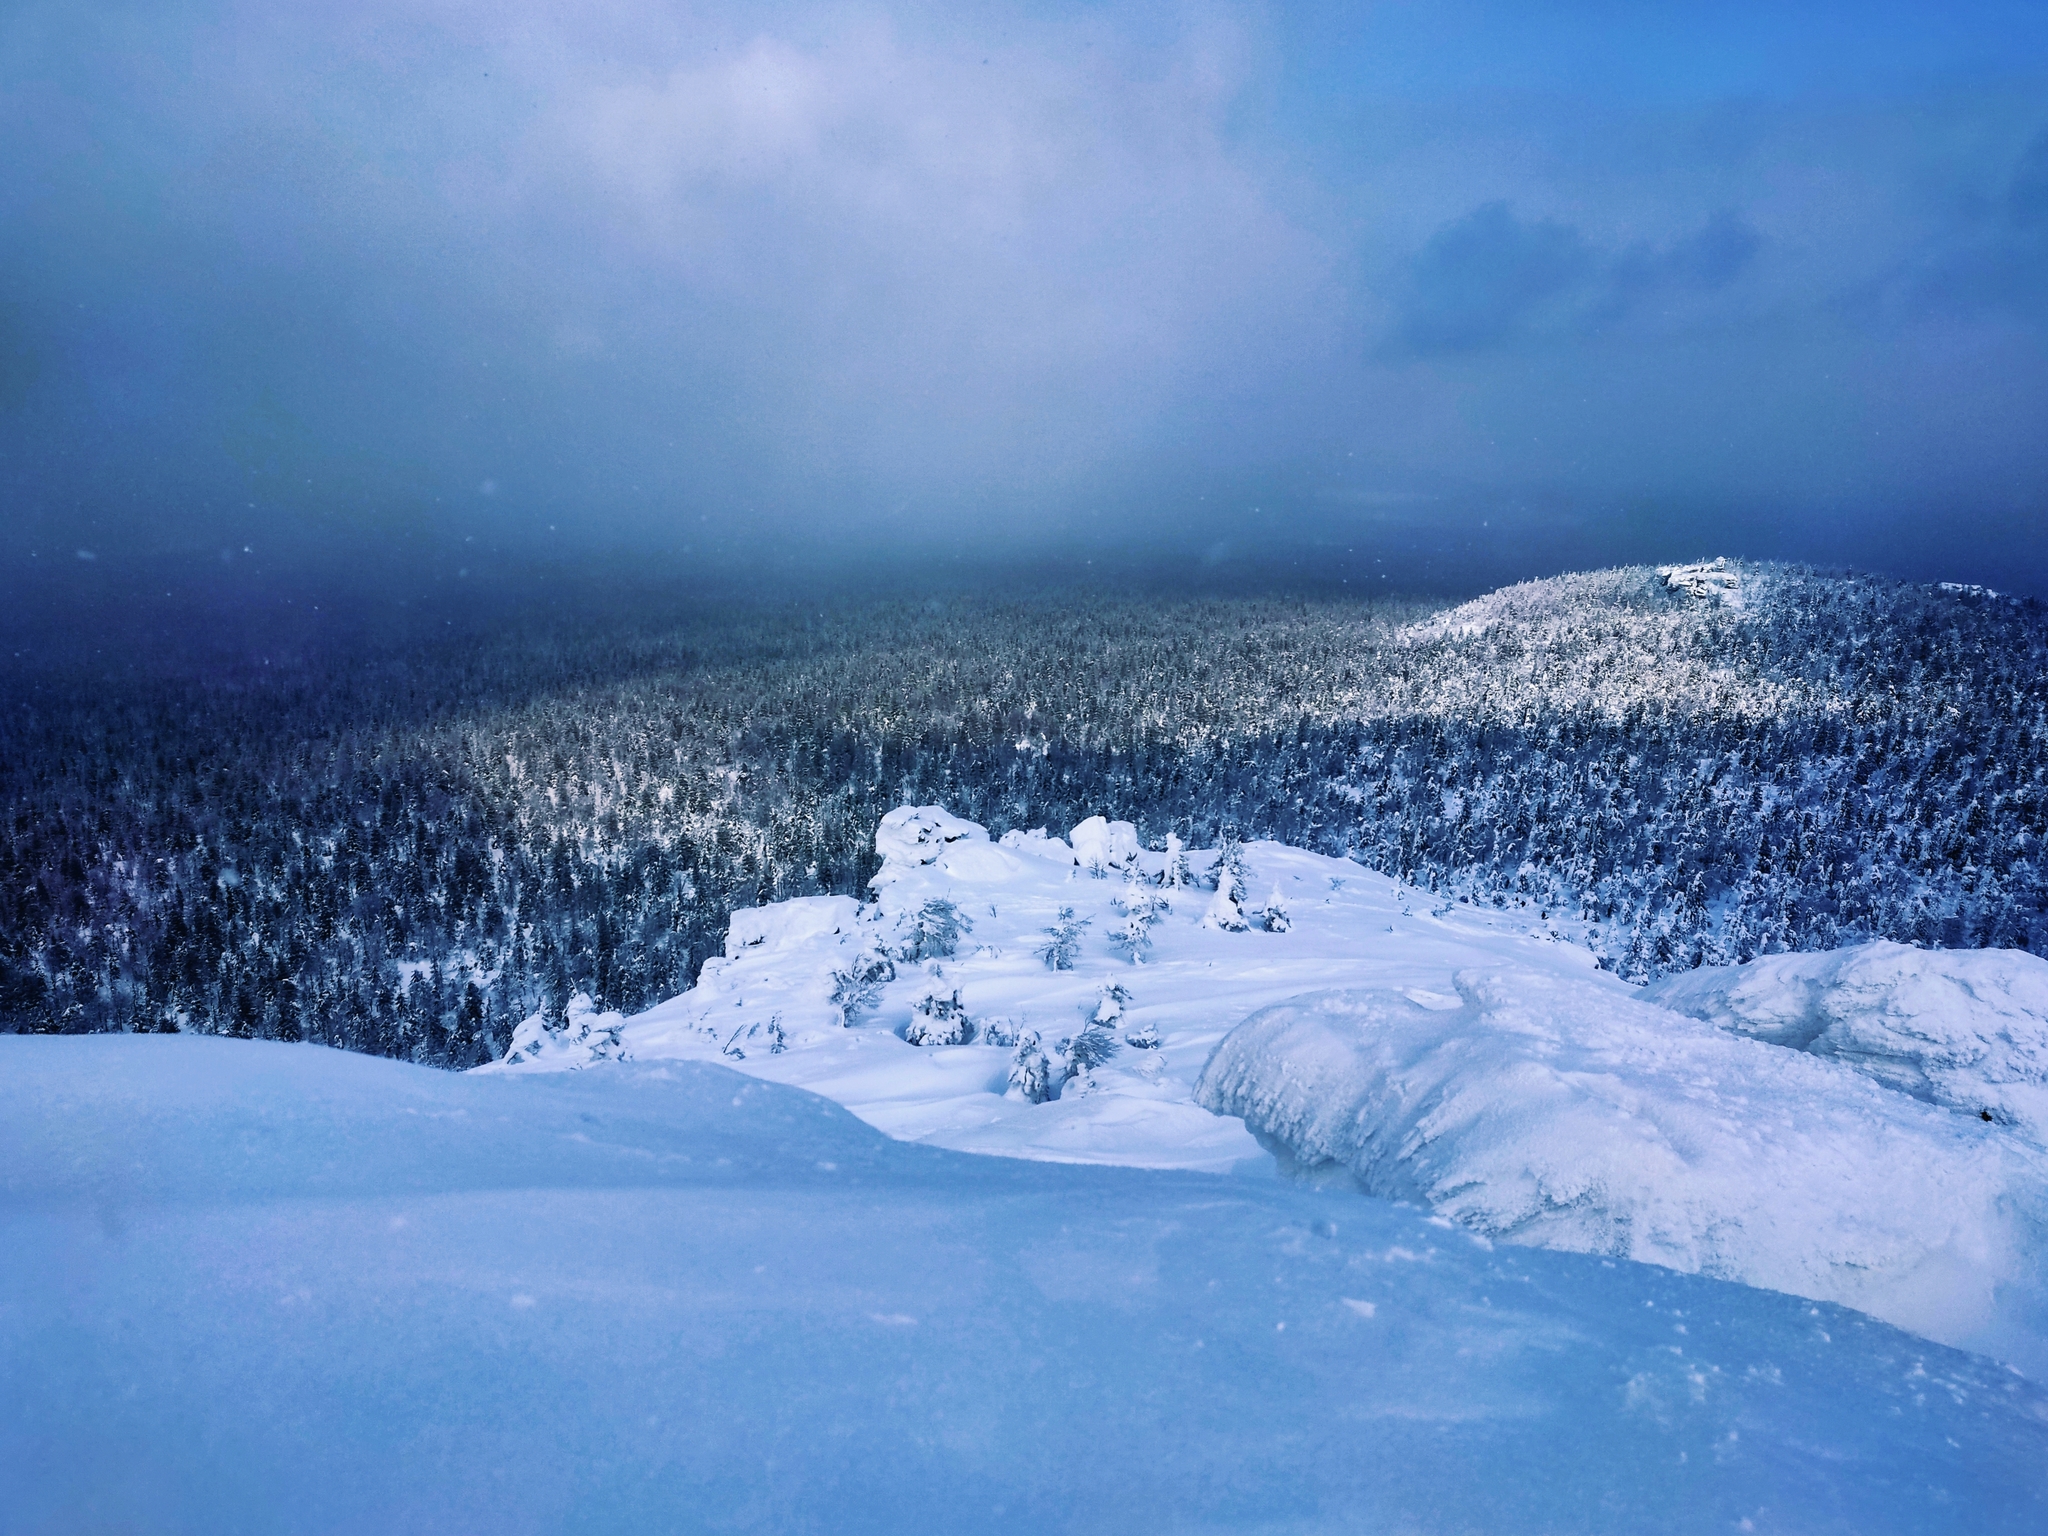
1963,1028
1713,580
1810,1123
915,835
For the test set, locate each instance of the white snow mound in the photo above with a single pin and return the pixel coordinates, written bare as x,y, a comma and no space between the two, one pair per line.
1039,844
1556,1113
789,924
912,835
1964,1028
1100,843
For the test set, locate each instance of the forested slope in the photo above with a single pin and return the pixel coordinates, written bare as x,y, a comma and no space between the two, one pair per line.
405,853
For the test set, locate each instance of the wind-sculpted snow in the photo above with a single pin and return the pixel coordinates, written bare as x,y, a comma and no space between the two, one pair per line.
1555,1113
1964,1028
254,1287
1463,1057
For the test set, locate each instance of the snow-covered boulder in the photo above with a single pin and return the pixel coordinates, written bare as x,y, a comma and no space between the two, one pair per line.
1558,1113
1100,843
1713,580
912,835
788,924
1966,1028
584,1038
1038,844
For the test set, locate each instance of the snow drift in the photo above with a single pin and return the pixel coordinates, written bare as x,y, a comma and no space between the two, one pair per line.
1543,1111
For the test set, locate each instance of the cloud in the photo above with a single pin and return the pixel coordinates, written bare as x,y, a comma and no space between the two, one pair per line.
1002,279
1991,262
1491,280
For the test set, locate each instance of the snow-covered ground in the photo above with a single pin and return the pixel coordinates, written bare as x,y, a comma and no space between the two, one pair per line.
248,1287
767,1007
1814,1124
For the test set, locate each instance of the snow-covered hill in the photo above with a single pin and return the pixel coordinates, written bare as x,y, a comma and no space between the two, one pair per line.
1469,1058
253,1287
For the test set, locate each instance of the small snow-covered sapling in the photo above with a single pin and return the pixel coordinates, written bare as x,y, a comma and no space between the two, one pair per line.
1062,946
1031,1070
857,984
1223,912
937,1020
1110,1002
1275,919
934,931
1141,907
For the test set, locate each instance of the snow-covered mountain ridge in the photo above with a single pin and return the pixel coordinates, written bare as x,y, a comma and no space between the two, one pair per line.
1469,1058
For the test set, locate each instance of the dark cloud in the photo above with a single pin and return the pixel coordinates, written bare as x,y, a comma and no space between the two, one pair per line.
1492,280
1989,261
1008,282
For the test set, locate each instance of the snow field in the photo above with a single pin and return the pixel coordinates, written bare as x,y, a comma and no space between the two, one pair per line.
258,1287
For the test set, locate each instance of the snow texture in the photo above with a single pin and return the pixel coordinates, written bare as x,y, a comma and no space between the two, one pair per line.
1555,1113
1486,1067
263,1287
1964,1028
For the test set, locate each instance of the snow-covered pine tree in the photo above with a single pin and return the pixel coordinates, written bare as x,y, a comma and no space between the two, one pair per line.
857,983
1140,906
1062,946
1223,912
1093,1047
1175,876
934,931
997,1031
939,1020
1031,1070
1274,918
1228,873
1110,1002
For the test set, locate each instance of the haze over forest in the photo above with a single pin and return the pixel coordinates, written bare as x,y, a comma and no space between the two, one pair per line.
310,307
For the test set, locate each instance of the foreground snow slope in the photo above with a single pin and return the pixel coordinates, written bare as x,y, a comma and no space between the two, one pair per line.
249,1287
1820,1133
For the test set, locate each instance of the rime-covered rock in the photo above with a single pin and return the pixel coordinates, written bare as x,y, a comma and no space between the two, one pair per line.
1966,1028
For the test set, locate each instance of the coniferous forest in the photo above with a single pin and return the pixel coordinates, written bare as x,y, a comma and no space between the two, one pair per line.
406,852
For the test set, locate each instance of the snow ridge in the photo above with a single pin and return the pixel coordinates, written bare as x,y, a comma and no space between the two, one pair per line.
1557,1113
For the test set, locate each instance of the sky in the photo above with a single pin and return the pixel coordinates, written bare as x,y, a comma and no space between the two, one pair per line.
1507,287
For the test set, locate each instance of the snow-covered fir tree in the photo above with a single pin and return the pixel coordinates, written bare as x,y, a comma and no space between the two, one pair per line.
1062,946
